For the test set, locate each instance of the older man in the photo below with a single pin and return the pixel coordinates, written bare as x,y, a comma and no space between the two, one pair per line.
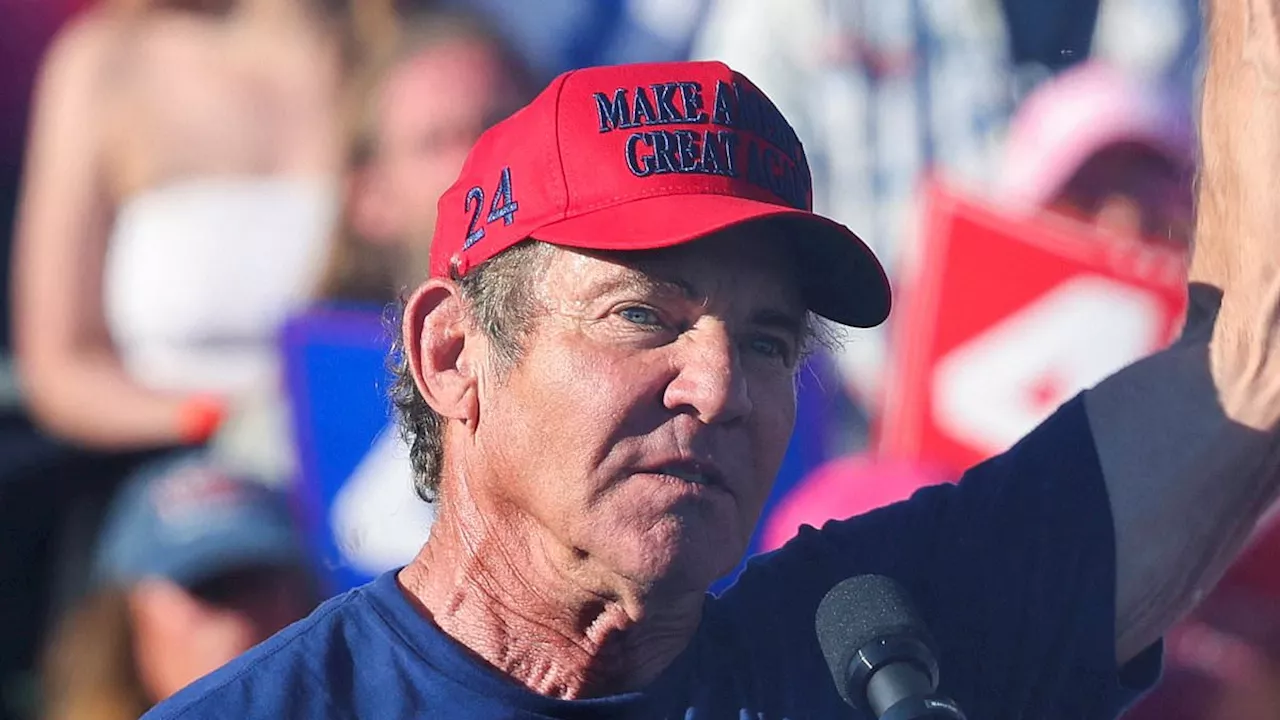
599,379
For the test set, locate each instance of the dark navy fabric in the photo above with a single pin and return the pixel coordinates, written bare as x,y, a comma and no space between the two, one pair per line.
1013,569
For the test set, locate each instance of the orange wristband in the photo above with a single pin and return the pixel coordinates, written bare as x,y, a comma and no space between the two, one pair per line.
199,418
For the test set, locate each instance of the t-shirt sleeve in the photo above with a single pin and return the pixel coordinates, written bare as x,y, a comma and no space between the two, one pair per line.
1013,569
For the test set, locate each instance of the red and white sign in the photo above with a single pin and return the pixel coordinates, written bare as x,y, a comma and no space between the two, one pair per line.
1003,319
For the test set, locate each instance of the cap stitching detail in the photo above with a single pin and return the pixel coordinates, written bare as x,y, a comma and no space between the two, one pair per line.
673,190
564,177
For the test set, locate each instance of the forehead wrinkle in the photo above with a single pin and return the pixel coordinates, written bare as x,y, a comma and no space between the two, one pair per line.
625,275
659,273
794,324
641,281
747,249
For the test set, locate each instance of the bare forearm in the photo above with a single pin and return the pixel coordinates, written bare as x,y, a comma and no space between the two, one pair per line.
1186,483
1187,439
1237,213
1238,232
92,401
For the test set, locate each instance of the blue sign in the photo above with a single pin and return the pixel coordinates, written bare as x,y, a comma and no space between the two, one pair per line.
336,377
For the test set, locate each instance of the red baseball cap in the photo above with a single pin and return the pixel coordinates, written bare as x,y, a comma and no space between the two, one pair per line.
645,156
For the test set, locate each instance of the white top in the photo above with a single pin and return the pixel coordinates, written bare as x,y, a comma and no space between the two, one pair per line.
201,273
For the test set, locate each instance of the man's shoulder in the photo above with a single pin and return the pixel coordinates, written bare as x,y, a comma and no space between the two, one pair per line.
292,673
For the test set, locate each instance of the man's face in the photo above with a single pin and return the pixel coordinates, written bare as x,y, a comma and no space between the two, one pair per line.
431,110
639,434
182,634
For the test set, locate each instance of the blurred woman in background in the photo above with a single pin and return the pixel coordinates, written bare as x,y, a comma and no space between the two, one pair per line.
195,566
177,200
178,196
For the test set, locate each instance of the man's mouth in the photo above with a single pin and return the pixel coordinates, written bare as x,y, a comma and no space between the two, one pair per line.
692,472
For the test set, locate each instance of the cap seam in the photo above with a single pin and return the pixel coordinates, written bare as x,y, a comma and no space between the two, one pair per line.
674,190
564,177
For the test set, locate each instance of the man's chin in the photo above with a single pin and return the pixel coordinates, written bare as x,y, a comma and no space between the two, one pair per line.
687,570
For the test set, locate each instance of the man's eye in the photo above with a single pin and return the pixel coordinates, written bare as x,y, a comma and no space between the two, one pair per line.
640,316
771,347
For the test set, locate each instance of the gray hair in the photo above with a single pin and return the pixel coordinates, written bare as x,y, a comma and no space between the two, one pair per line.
502,305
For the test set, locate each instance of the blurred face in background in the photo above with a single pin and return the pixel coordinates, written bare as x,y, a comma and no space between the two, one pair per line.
181,634
1133,191
431,109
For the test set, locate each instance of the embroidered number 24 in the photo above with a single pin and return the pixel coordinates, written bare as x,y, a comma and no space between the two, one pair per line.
502,206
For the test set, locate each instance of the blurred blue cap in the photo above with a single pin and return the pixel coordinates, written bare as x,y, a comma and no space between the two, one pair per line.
189,521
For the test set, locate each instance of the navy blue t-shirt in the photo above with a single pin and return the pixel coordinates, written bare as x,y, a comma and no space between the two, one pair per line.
1013,569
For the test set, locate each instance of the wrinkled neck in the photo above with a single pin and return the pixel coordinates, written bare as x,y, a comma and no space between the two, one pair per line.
521,606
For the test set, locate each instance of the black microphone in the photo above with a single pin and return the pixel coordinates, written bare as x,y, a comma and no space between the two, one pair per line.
879,652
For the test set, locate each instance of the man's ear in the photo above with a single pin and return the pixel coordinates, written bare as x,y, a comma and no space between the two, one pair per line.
436,338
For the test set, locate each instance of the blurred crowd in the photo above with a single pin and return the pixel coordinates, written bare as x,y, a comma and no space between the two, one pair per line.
181,179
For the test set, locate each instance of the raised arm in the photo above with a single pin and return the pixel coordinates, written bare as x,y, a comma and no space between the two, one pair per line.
1188,438
73,381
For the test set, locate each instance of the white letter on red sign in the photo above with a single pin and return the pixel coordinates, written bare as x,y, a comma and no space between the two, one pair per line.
996,387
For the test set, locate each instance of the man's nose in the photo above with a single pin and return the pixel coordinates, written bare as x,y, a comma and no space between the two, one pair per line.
710,381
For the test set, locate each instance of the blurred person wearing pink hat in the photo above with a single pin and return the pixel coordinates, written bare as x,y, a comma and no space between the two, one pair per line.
1093,144
1106,148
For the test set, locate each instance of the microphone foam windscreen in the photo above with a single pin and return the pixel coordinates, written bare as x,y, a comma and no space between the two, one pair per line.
858,611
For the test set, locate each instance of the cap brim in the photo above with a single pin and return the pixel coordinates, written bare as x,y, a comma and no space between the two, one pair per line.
841,278
1035,177
206,559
